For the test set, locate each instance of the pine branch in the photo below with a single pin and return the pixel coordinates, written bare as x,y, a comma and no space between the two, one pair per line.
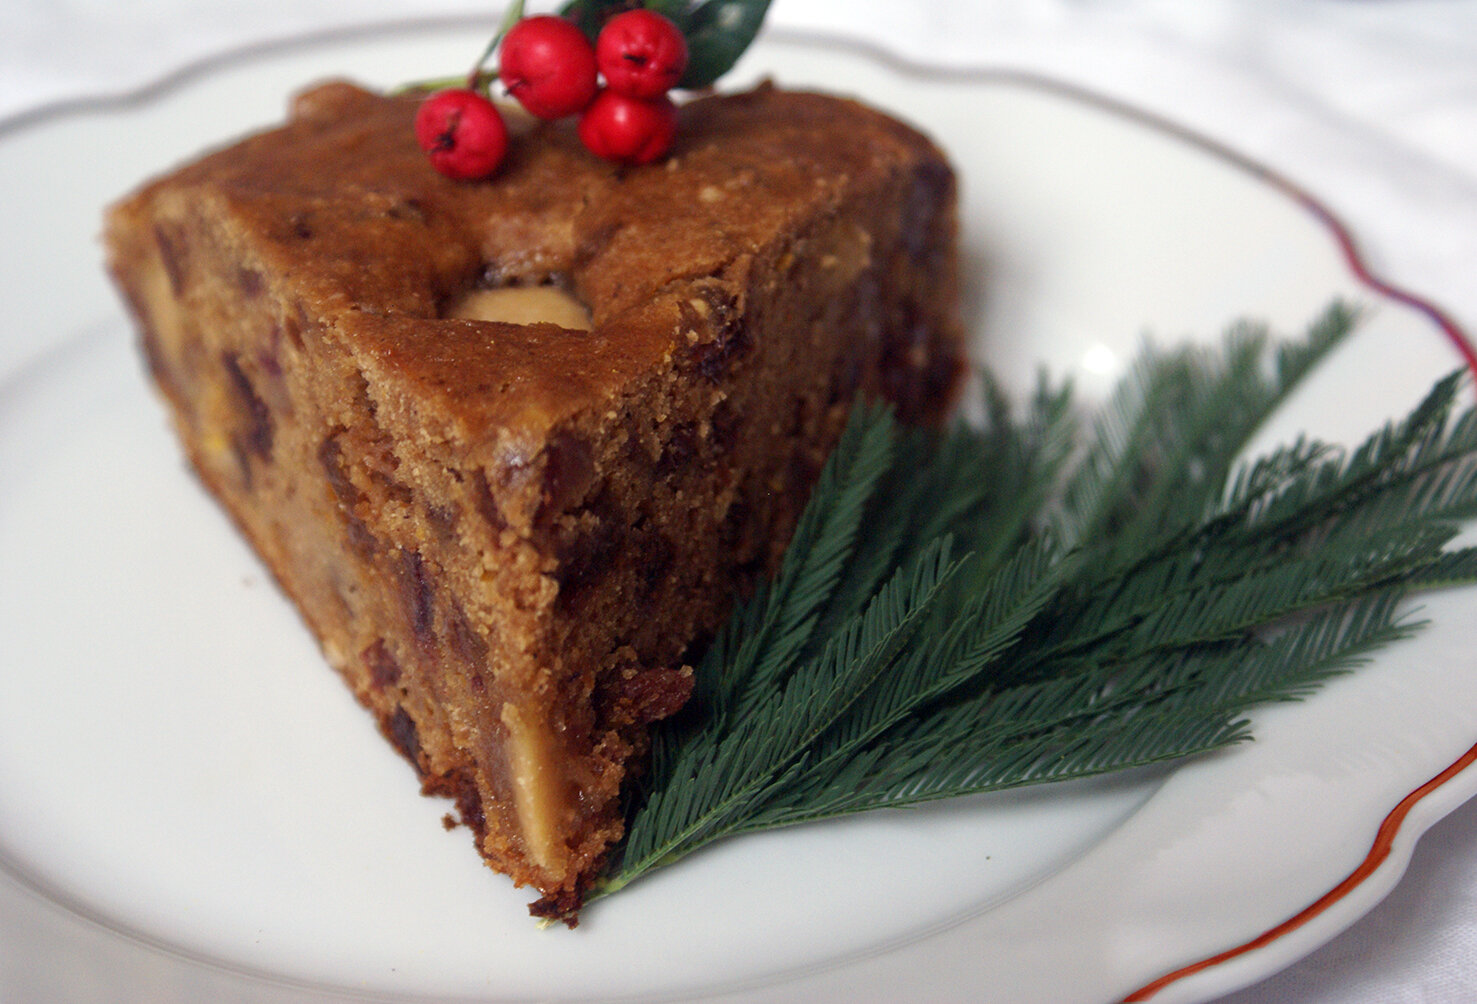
1192,413
724,773
783,617
993,607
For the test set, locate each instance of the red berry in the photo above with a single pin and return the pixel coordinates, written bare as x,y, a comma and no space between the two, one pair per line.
628,130
462,134
548,65
641,53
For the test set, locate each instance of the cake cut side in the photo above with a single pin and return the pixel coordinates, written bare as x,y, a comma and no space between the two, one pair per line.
512,448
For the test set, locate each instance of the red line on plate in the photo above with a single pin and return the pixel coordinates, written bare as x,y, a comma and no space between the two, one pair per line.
1465,348
1350,251
1348,248
1192,137
1390,826
1380,850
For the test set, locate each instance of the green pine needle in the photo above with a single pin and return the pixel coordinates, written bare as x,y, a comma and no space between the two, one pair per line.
1045,597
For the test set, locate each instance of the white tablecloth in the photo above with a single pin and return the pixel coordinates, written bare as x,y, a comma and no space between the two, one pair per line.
1371,104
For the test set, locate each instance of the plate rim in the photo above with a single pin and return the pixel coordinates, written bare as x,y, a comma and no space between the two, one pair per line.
1402,820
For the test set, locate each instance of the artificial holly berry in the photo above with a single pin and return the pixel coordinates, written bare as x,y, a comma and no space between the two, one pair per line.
462,134
628,130
549,66
641,53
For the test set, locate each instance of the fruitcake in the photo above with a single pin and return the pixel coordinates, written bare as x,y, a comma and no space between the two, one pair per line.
512,447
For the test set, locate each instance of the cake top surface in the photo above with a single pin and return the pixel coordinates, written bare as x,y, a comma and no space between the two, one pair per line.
341,210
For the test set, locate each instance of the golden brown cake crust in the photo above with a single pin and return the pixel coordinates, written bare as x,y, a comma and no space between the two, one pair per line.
508,536
347,205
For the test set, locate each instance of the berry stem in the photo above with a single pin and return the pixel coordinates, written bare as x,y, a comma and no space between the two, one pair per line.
428,86
511,16
479,81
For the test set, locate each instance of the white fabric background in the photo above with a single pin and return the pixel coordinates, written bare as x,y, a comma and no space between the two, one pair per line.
1371,104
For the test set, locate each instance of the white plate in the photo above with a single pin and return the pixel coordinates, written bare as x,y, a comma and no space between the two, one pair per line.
192,806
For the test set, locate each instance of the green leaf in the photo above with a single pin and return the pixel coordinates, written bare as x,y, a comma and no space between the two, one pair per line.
717,31
591,15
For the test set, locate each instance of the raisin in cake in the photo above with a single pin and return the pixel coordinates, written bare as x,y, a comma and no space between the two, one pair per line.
511,446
